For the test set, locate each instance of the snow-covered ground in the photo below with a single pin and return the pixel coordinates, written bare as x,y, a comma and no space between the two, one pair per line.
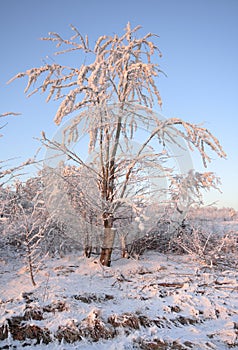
156,302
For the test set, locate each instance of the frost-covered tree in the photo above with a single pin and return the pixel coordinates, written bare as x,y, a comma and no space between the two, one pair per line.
23,223
119,70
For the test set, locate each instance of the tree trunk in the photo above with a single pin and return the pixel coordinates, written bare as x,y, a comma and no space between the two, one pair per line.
124,252
108,241
88,251
30,265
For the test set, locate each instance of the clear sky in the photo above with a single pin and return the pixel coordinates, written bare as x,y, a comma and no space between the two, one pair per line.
199,42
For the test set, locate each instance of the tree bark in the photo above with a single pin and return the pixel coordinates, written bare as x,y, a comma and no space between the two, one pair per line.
124,252
108,241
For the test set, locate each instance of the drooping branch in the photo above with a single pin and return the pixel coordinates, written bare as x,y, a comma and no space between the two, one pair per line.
9,113
196,137
121,68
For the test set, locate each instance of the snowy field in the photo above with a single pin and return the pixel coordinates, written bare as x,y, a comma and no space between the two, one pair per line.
157,302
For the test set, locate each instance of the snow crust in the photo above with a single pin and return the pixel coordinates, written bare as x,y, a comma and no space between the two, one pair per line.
187,303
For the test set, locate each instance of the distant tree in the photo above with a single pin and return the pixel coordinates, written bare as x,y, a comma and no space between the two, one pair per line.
121,70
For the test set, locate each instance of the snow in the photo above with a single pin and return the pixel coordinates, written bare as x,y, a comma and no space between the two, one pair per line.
183,302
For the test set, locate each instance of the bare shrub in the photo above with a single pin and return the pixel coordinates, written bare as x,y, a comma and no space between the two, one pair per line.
210,247
158,239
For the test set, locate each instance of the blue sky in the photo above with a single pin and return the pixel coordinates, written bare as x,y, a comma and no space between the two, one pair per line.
198,40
